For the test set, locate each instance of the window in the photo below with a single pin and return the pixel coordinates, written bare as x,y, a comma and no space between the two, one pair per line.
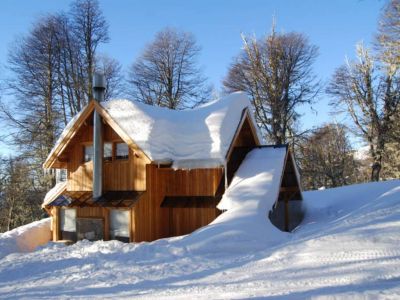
68,224
122,151
88,153
61,175
108,151
91,229
119,225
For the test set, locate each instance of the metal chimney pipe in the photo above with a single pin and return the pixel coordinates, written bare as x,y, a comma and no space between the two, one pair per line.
99,87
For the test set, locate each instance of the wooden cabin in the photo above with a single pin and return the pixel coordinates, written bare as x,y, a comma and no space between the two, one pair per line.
162,174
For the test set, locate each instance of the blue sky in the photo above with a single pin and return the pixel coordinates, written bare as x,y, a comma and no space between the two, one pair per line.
334,26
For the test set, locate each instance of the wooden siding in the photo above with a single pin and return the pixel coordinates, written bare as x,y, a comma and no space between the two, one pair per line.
55,223
118,175
153,222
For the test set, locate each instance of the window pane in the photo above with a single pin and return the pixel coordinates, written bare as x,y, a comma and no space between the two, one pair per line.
122,151
119,224
88,153
68,219
107,151
61,175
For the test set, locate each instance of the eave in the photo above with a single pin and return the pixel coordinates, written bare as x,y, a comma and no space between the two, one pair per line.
55,155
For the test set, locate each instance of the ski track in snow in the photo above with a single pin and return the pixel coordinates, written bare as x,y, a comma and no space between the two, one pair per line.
347,247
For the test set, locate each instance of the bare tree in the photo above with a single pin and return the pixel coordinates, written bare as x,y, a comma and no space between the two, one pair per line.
166,73
34,116
326,158
90,29
276,72
370,93
19,198
388,39
71,82
111,69
49,81
388,47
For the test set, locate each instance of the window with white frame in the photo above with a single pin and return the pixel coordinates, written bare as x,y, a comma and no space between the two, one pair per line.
68,223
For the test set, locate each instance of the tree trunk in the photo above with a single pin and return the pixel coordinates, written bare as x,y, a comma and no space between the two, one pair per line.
10,213
376,170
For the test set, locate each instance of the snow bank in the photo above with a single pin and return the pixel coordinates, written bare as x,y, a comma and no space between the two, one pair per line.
347,248
203,134
25,238
248,199
331,204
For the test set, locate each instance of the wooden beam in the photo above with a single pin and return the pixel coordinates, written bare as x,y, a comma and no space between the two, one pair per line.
284,189
52,158
286,214
245,116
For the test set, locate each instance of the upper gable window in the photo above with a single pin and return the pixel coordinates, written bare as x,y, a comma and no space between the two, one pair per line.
88,153
108,151
121,151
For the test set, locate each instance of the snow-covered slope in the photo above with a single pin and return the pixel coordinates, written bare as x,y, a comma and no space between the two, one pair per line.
347,247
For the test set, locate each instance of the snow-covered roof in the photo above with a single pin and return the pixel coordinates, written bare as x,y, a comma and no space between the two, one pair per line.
54,192
198,137
186,137
256,183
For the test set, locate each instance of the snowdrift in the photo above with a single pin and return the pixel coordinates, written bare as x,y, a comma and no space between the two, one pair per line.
25,238
245,225
347,247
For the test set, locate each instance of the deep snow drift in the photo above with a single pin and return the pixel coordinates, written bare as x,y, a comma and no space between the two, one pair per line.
347,246
25,238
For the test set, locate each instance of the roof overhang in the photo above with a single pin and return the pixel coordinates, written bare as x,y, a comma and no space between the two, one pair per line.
246,116
53,161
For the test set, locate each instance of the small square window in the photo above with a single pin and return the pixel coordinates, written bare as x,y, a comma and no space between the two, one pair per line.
122,151
107,152
88,155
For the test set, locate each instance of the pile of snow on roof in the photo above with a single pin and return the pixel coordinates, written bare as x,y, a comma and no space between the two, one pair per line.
199,137
248,199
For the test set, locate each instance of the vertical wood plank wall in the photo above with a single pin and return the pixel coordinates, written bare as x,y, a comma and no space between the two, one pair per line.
118,175
149,221
55,225
153,221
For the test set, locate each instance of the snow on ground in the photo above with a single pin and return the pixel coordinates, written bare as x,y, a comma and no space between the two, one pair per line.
347,247
25,238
